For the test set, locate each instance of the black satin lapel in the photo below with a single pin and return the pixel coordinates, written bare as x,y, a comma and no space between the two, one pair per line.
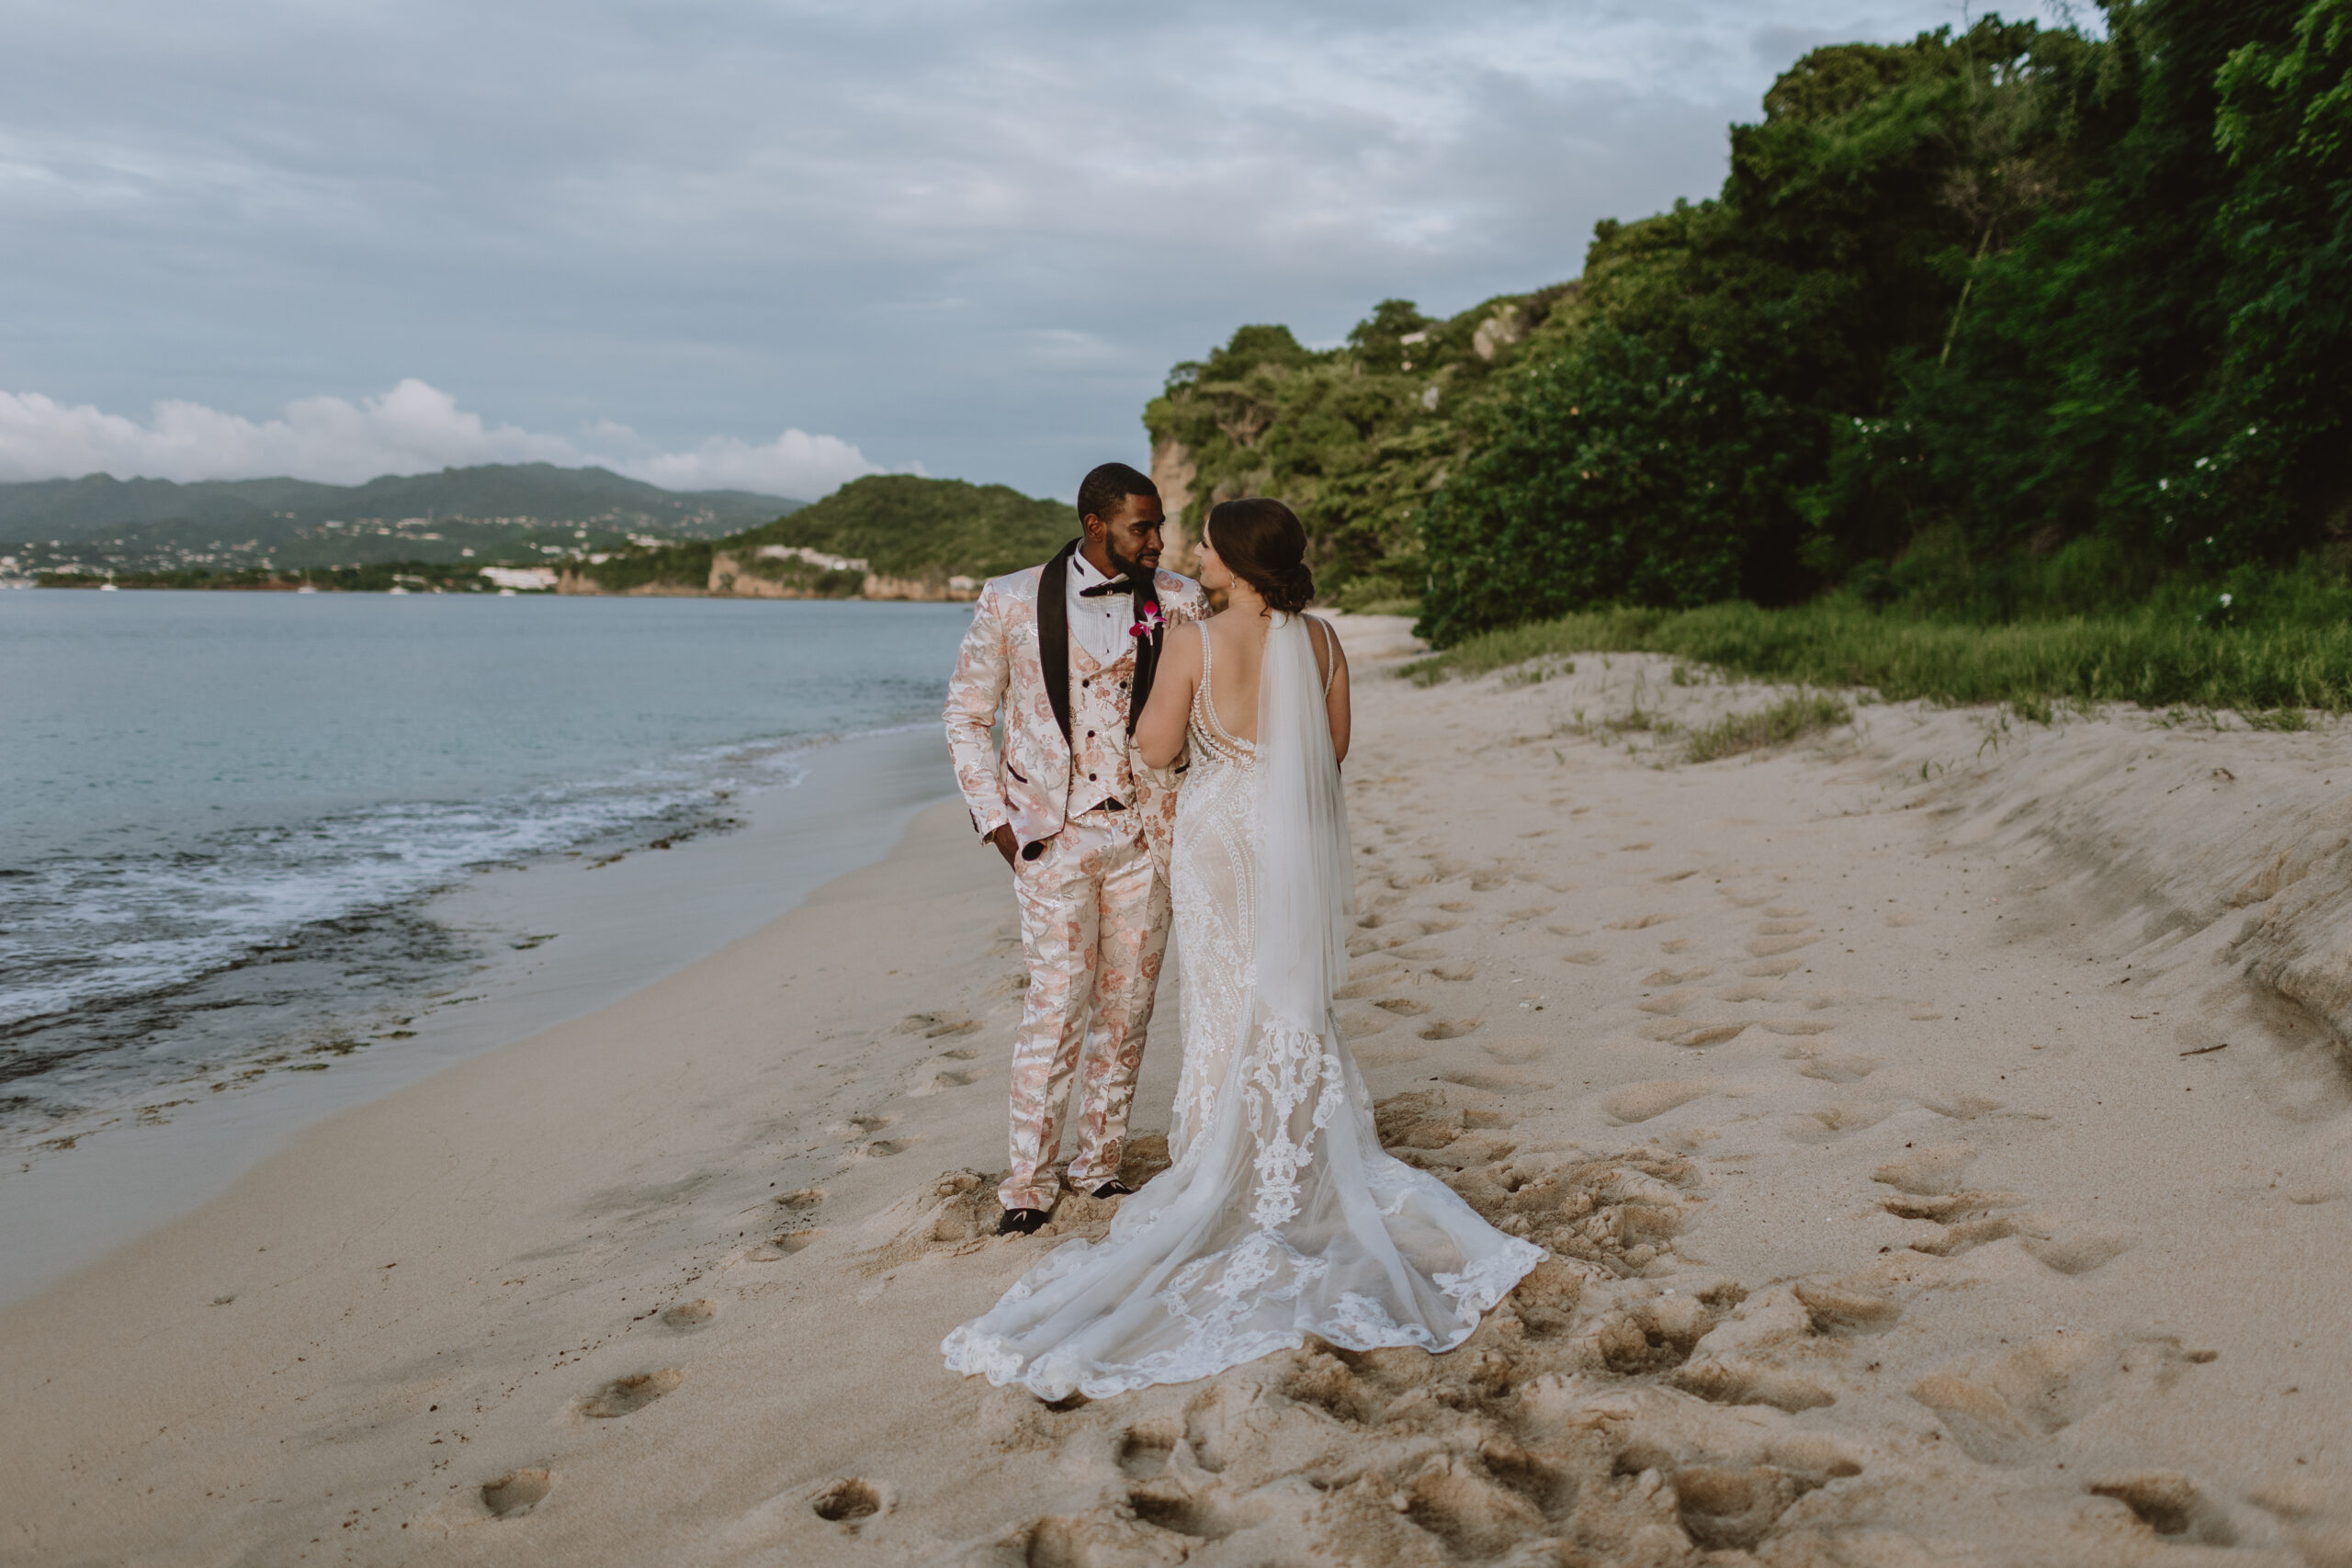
1147,602
1053,633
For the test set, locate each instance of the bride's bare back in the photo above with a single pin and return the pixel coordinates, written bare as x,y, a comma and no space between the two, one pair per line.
1234,659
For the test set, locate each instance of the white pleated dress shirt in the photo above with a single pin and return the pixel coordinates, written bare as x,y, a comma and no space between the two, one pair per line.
1099,624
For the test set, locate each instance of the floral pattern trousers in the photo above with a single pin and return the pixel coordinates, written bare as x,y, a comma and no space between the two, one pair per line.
1093,929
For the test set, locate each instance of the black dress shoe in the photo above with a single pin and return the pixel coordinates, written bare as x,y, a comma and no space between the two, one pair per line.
1021,1222
1115,1188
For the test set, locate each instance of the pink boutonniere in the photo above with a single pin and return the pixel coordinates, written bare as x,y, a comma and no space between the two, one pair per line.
1152,623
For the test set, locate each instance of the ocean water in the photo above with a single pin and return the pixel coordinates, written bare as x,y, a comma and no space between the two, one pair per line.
230,822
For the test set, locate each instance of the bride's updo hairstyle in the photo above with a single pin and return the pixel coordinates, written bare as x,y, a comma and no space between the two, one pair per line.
1262,541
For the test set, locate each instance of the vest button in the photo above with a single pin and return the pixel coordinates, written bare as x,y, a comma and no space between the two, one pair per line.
1090,778
1090,735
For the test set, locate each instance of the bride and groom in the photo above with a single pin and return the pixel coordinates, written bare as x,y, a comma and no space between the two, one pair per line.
1161,762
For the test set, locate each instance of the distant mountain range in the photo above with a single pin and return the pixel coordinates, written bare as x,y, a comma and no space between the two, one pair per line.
101,507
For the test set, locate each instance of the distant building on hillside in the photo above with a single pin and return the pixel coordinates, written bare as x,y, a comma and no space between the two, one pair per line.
814,558
526,578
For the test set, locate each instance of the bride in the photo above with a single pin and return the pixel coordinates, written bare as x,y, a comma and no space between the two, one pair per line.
1281,1217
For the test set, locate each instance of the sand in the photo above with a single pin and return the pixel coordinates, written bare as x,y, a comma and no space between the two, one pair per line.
1942,1129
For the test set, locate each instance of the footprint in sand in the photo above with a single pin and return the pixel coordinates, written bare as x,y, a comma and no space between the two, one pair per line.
800,1203
1450,1028
1928,1172
1959,1238
864,1122
784,1244
1965,1108
1675,1032
1949,1207
1669,1005
884,1148
1459,907
1357,1025
961,1053
1841,1069
2075,1255
1835,1121
1454,971
518,1491
953,1079
1356,990
1640,1101
849,1502
625,1397
1773,946
687,1316
1796,1026
1518,1050
1639,922
1404,1006
1675,976
1587,955
2003,1412
2172,1504
1782,927
1144,1450
933,1025
1738,1382
1501,1082
1837,1308
1773,968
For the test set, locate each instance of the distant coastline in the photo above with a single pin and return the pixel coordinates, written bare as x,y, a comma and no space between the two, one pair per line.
897,539
730,577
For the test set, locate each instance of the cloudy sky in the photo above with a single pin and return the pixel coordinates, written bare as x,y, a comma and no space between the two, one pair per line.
774,245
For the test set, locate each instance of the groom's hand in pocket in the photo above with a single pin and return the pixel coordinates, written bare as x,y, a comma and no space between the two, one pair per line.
1005,842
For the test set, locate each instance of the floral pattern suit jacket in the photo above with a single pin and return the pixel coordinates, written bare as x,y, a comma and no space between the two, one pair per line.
1006,665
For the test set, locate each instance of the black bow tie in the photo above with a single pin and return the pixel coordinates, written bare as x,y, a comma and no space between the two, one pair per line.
1116,585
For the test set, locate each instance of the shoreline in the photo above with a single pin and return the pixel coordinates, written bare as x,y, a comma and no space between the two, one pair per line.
561,937
1937,1164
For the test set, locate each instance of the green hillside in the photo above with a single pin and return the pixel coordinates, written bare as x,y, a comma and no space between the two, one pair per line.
905,526
901,524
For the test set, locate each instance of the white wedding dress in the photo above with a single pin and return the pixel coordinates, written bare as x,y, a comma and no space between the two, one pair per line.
1281,1217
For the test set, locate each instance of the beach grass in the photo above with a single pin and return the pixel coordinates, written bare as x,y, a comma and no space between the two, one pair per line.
2274,673
1788,719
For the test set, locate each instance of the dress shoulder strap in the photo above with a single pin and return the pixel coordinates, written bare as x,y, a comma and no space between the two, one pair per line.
1331,642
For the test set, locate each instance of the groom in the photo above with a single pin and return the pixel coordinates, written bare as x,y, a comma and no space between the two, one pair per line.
1065,651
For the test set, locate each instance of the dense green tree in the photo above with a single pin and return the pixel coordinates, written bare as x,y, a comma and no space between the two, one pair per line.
1609,475
1999,322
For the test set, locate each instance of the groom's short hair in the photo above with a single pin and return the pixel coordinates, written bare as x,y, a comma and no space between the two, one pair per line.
1099,493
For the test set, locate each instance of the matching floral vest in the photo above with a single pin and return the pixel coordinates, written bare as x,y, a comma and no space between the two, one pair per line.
1100,769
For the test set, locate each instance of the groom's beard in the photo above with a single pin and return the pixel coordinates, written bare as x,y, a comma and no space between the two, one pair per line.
1122,566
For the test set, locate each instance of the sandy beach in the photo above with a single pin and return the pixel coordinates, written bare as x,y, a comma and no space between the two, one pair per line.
1941,1130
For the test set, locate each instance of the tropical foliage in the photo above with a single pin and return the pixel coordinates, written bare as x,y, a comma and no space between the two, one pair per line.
2005,323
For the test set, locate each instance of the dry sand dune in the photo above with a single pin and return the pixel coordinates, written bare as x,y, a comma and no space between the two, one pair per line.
1941,1130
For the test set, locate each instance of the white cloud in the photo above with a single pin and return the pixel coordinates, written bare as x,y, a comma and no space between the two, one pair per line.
412,428
795,464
